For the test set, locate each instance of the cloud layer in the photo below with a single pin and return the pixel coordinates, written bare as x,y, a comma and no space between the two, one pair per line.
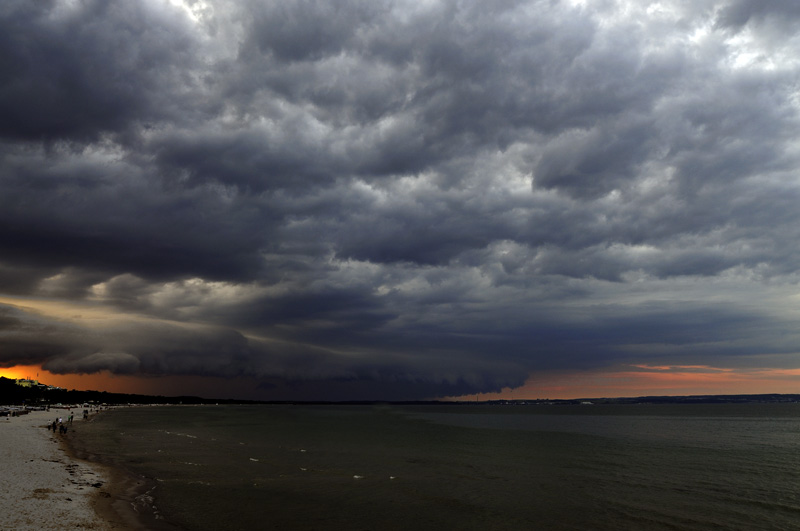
398,199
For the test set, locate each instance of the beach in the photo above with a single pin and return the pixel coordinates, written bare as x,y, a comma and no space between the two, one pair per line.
41,485
398,467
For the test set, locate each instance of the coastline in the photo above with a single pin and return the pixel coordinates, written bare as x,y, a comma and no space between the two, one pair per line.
42,486
125,502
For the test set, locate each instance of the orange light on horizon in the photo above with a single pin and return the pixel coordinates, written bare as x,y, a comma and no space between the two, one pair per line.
650,380
35,372
632,380
17,372
164,385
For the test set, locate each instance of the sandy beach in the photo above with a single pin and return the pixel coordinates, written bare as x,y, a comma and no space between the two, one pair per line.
41,486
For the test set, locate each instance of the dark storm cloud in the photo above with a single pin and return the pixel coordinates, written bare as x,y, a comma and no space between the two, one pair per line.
28,339
75,70
91,210
405,199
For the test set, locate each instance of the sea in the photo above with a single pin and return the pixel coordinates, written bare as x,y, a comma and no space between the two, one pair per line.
461,467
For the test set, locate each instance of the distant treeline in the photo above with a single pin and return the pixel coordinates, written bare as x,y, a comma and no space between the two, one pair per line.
700,399
689,399
13,394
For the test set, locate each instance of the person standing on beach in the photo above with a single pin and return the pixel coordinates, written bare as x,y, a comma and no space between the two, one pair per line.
70,418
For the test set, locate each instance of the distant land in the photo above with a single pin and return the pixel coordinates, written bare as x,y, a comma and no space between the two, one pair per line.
13,393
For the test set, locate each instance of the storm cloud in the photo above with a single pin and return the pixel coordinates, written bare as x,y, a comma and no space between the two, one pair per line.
398,199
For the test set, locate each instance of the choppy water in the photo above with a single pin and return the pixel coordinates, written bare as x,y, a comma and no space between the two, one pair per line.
464,467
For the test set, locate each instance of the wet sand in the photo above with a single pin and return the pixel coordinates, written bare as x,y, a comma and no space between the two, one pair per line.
44,486
125,501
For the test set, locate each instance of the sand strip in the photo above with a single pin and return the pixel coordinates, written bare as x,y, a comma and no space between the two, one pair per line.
41,487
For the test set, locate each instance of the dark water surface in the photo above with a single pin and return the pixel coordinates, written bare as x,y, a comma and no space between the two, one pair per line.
463,467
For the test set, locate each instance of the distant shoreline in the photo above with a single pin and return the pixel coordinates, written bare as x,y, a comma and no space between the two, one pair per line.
11,393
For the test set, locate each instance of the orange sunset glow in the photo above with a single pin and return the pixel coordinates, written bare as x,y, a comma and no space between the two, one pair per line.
82,382
634,380
205,386
644,380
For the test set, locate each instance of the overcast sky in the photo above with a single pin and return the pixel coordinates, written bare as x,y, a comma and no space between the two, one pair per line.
398,199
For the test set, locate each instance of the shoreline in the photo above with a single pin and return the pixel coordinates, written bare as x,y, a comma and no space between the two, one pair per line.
126,502
42,486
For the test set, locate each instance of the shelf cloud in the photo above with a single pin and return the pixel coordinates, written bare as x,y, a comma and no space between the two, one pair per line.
398,199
